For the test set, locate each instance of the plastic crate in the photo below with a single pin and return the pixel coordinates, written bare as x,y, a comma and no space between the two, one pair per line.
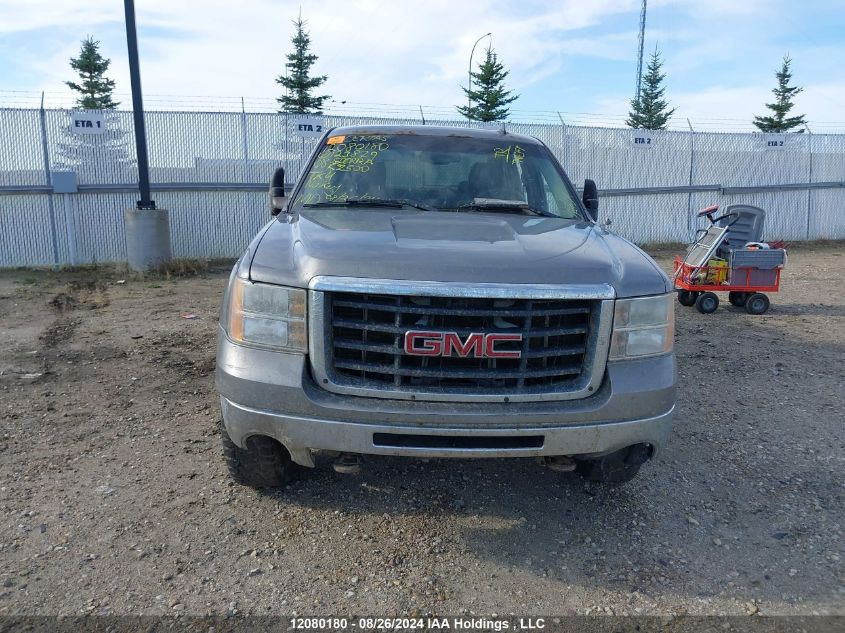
761,277
764,259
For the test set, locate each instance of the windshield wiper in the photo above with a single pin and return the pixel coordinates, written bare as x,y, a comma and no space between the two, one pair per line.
373,202
493,204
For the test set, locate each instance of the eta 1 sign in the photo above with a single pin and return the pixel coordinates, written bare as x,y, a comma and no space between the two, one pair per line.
311,127
87,123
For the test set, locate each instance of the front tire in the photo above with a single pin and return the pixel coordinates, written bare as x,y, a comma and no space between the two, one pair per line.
615,468
687,297
738,299
262,463
757,303
707,302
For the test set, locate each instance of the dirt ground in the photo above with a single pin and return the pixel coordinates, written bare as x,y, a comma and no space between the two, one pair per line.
114,497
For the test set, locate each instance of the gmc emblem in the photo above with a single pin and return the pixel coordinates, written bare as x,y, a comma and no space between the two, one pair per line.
422,343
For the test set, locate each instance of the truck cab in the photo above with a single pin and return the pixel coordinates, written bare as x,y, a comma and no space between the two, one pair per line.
442,292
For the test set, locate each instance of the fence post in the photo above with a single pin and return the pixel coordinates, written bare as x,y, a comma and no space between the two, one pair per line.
70,227
285,158
809,180
563,157
51,210
245,141
422,116
691,170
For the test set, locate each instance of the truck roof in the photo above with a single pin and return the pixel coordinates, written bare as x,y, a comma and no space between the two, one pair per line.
432,130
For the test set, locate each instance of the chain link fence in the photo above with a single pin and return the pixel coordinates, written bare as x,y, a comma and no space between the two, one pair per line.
211,169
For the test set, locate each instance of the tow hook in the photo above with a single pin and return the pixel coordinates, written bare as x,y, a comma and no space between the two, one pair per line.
559,463
348,464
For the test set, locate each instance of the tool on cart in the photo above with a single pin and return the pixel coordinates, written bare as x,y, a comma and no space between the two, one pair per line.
730,256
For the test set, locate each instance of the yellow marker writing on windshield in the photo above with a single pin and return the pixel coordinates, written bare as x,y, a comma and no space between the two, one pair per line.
502,152
334,140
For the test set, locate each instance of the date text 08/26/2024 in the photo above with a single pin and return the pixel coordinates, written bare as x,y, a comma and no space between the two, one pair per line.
411,624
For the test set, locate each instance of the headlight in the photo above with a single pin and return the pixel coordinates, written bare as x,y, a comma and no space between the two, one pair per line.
643,327
267,316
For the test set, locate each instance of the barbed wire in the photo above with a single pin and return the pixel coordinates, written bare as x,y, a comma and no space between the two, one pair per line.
223,103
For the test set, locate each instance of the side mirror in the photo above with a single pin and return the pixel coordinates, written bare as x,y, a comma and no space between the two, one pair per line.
277,191
590,197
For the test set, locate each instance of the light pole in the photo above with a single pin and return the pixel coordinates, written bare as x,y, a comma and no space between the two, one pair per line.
469,73
146,201
147,227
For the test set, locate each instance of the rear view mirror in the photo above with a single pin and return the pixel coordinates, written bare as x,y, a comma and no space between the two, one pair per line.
590,197
277,191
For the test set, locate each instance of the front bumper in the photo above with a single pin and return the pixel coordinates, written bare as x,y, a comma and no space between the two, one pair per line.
300,435
273,394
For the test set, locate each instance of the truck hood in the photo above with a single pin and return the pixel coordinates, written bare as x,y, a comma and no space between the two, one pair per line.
457,247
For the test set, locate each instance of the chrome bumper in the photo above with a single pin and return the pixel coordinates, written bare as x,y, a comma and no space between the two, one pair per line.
302,434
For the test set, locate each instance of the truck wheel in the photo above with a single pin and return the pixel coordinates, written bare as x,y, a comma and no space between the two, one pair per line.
707,302
757,303
615,468
262,463
738,299
687,297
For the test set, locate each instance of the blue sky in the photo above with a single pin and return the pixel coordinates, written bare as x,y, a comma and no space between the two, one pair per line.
566,56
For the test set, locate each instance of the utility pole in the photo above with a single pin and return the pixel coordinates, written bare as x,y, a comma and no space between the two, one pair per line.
640,53
147,228
146,201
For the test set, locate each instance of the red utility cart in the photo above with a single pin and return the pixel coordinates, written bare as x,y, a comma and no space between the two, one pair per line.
744,271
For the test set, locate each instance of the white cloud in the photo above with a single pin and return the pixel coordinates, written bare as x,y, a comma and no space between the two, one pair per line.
37,14
372,50
722,8
400,52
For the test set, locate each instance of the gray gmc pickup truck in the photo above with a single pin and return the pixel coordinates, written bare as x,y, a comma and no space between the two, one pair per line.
442,292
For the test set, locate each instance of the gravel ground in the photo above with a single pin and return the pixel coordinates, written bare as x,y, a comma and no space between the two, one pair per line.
114,497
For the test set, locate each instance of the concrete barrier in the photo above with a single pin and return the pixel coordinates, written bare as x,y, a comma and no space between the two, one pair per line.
147,238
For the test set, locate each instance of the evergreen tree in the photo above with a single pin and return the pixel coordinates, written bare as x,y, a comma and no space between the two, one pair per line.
489,100
99,156
93,155
298,83
650,112
778,121
94,88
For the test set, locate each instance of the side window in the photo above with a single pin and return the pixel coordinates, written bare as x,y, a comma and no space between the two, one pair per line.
556,197
549,197
536,188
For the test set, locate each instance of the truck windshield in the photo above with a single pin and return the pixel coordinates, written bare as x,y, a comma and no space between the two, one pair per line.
442,173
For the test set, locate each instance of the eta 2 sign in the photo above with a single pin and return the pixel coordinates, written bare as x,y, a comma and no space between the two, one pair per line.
774,141
643,139
311,127
87,123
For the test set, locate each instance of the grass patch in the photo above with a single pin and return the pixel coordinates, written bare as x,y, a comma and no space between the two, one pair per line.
179,268
664,249
815,245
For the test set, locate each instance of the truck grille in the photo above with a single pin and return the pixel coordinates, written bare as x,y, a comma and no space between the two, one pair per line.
364,343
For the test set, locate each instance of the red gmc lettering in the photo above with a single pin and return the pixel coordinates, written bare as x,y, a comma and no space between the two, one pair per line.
490,345
476,345
431,343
